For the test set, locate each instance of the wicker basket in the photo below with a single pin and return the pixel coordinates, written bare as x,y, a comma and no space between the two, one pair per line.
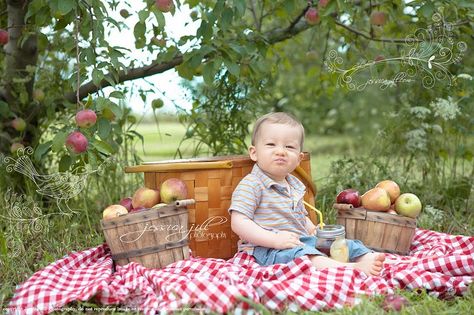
211,181
152,237
380,231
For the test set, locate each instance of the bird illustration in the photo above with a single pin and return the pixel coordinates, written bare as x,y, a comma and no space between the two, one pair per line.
60,186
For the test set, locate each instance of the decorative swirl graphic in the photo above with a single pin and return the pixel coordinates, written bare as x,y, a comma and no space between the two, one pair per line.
428,54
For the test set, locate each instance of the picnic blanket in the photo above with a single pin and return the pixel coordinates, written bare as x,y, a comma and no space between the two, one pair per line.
444,266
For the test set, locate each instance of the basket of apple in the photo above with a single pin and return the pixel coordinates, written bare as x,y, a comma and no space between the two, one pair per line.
150,228
382,218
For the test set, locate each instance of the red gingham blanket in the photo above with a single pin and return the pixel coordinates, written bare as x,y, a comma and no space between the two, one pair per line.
444,266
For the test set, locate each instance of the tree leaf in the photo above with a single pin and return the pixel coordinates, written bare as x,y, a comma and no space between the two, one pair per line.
41,150
64,163
208,72
103,147
58,141
103,128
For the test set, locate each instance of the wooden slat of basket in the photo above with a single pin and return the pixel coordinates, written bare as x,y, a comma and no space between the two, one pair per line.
391,218
356,213
169,167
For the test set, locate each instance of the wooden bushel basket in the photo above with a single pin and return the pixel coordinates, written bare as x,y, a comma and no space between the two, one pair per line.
211,181
152,237
380,231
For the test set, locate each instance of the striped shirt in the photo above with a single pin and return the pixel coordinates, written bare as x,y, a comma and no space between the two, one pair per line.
270,204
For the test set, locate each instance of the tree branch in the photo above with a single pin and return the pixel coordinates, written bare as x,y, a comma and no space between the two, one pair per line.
381,39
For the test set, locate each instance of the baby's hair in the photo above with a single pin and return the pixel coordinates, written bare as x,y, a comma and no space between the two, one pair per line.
277,118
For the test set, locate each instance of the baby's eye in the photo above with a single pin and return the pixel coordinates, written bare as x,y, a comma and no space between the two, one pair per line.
270,144
290,147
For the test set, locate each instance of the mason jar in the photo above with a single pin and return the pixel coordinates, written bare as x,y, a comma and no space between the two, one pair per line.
327,235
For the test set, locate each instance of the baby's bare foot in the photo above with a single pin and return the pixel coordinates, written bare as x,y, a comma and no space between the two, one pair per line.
371,263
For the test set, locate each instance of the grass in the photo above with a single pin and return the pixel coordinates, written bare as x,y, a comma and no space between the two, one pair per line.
23,251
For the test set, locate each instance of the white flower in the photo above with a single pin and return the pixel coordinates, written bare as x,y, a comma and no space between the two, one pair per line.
446,109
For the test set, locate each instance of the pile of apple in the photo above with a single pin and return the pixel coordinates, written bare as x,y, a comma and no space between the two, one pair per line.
145,198
385,196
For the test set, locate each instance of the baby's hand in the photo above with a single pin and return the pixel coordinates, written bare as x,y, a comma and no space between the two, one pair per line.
286,240
310,227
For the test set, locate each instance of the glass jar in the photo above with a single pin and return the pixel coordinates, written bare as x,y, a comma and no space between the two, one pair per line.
326,237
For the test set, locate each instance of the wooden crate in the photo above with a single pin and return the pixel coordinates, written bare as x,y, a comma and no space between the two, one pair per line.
380,231
152,237
211,181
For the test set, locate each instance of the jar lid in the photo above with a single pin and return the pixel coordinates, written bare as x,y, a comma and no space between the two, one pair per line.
331,230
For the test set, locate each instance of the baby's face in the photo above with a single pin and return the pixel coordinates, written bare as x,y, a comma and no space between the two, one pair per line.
277,150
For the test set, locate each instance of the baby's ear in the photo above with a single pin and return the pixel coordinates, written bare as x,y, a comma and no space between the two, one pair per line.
253,153
301,156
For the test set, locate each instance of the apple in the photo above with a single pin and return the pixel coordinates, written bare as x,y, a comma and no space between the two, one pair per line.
159,205
391,188
376,199
113,211
350,196
173,189
164,5
312,16
391,211
378,18
76,142
393,302
145,197
3,37
38,95
127,203
312,55
16,146
124,13
408,204
18,124
86,118
138,209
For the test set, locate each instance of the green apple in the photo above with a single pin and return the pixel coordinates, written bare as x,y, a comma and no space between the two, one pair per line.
408,204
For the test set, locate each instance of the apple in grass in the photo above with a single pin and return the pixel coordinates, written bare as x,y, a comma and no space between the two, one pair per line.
349,196
173,189
16,146
113,211
312,16
408,205
145,197
86,118
391,188
76,142
376,199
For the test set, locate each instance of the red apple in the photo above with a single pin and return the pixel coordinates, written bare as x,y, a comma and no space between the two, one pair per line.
312,16
173,189
391,188
127,203
164,5
408,205
18,124
86,118
145,197
376,199
378,18
349,196
16,146
138,209
393,302
113,211
3,37
76,142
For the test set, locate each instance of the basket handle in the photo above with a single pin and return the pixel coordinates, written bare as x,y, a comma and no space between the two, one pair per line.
306,179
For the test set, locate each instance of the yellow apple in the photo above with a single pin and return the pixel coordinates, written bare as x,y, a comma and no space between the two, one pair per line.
408,205
145,197
113,211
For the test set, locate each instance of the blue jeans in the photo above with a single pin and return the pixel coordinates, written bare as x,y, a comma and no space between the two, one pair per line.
270,256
